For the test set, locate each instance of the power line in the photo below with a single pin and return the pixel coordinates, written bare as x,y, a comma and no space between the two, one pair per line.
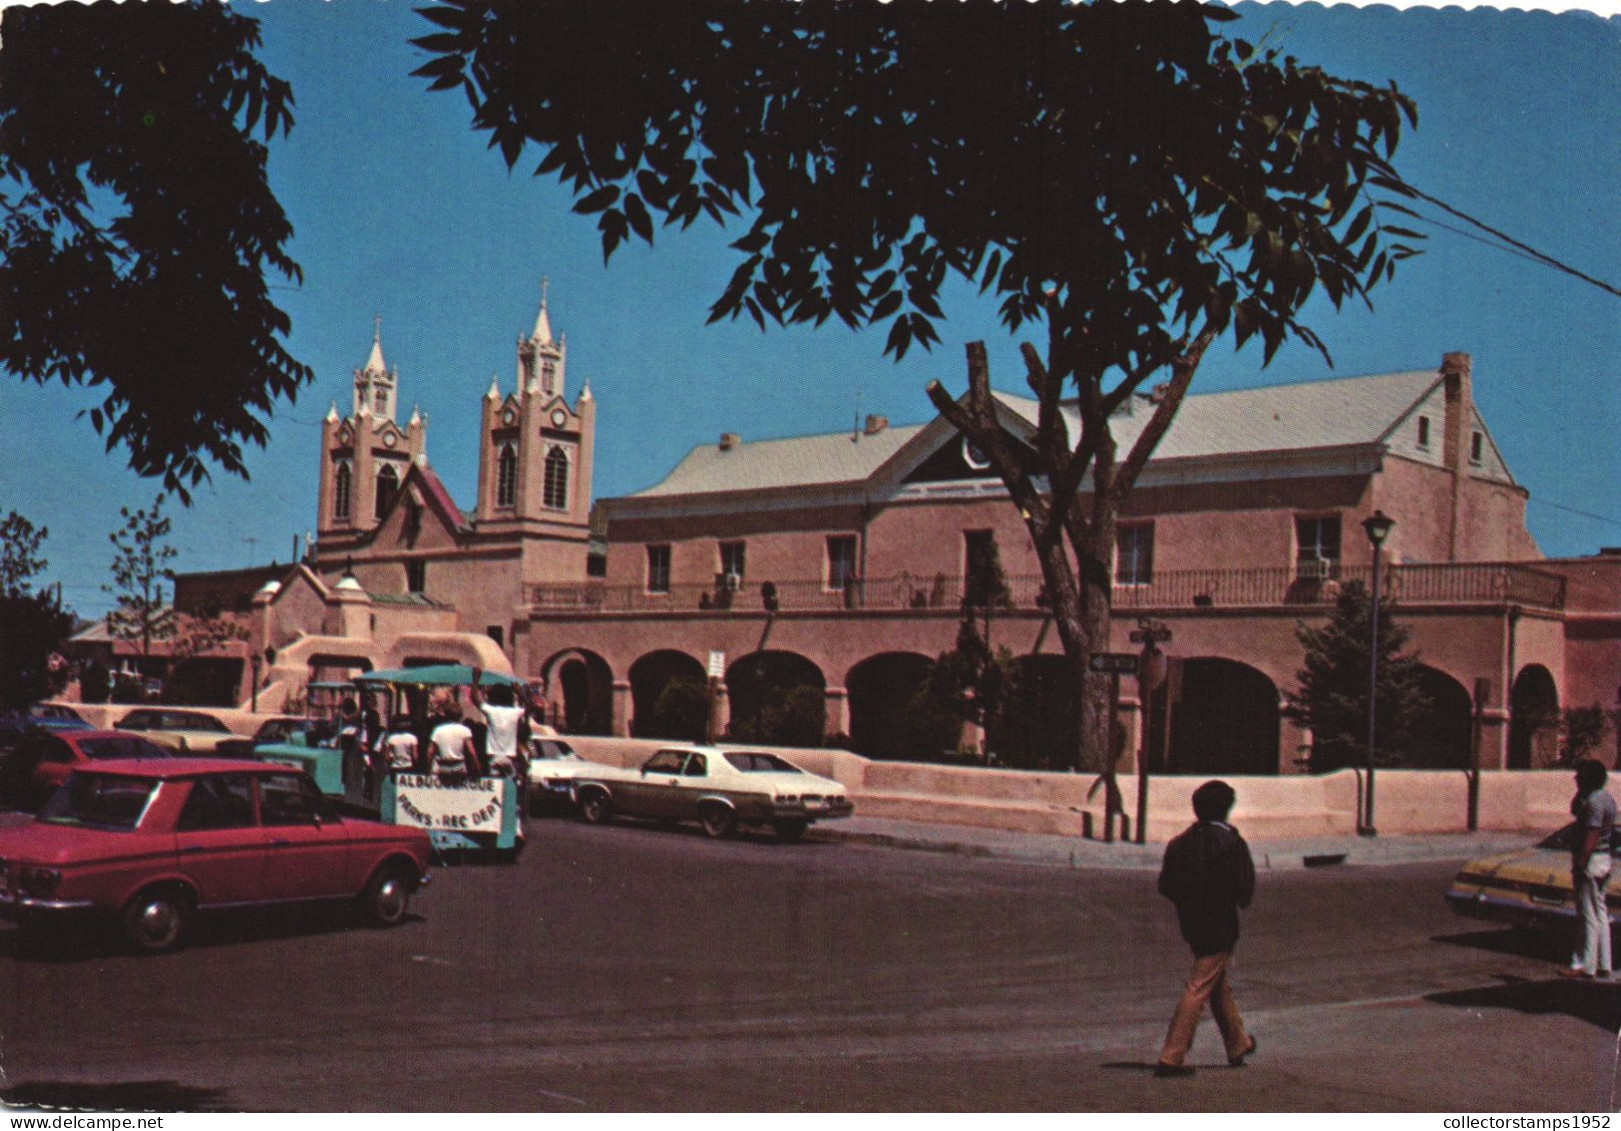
1573,510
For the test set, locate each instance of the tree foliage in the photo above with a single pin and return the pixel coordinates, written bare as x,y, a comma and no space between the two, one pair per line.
137,226
20,563
1333,697
33,626
139,570
1120,172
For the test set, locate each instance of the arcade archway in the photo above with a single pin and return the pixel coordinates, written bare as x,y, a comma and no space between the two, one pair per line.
776,697
670,696
579,692
883,721
1440,737
1224,720
1533,728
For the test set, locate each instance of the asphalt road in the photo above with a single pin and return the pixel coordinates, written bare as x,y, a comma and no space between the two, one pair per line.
647,969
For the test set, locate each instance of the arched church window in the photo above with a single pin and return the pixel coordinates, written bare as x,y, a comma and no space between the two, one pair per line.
388,485
506,476
343,489
382,400
554,493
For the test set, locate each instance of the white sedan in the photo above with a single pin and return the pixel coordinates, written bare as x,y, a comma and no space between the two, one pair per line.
553,768
722,789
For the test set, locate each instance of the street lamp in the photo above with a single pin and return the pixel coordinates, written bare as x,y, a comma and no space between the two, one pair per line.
1377,527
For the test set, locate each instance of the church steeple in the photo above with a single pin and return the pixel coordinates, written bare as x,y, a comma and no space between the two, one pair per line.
541,355
376,384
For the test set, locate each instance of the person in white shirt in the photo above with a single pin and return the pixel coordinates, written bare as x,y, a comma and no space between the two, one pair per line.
452,744
400,745
503,720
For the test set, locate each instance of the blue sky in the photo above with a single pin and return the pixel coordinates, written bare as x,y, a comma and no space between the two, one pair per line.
401,212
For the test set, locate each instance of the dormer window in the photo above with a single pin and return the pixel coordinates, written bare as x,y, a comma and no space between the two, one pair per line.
1477,444
1424,432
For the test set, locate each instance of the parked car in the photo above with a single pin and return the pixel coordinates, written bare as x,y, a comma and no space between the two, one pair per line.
43,760
148,844
553,769
1529,887
722,789
41,716
184,732
273,732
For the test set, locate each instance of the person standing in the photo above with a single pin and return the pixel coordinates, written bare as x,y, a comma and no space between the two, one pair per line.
452,746
1209,876
1594,810
502,720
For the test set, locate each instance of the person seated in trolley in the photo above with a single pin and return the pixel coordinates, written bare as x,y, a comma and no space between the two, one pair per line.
451,742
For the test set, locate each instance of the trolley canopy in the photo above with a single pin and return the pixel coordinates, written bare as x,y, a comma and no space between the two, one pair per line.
436,675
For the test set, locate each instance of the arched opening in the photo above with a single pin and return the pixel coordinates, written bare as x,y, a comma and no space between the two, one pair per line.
1440,737
885,720
579,692
343,489
777,698
388,485
1224,720
670,697
554,487
1533,727
506,476
1040,725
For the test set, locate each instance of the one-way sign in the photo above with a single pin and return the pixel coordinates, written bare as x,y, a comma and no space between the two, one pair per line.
1114,663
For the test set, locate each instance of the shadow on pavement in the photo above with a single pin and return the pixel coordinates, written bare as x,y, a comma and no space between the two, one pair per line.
1597,1003
138,1095
85,942
1523,942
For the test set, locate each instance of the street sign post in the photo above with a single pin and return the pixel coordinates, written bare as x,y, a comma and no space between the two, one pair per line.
1114,663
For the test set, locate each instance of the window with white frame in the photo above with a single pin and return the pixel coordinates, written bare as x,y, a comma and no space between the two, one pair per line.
1134,554
732,558
658,569
841,561
1317,545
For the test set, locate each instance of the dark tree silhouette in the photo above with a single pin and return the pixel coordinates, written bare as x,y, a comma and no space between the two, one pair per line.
137,226
1119,171
32,625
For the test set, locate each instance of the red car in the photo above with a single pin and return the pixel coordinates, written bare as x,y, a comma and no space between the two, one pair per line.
148,843
42,761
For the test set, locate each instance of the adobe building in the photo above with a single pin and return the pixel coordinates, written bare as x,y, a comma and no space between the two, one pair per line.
839,561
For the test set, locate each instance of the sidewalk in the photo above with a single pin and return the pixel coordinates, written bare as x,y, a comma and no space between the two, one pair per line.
1075,852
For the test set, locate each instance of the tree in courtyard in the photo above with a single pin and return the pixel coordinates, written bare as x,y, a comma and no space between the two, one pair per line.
33,625
1332,700
971,683
1119,172
139,570
137,226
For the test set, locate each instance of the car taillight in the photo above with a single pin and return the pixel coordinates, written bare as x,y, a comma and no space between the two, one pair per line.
37,882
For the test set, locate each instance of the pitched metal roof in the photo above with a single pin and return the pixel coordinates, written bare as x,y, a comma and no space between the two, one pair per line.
801,461
1302,416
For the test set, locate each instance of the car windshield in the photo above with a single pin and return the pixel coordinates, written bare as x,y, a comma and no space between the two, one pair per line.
102,801
762,764
1562,841
120,746
195,722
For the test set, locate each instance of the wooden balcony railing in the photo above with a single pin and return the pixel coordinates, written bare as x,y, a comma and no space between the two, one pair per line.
1427,585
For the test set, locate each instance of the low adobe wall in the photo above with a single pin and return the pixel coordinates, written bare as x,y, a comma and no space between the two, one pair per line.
1270,807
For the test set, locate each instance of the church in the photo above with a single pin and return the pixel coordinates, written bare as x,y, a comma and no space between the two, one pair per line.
831,570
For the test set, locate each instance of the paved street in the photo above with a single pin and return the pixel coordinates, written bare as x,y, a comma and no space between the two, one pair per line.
634,967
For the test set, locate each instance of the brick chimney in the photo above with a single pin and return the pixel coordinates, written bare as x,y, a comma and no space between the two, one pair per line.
729,440
1456,433
876,424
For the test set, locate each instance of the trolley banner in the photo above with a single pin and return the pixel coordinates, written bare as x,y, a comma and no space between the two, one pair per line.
457,813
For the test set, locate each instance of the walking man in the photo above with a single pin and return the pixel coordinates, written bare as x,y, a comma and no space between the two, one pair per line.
1594,810
1208,875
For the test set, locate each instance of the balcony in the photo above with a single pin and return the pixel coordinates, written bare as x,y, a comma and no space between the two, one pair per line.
1493,584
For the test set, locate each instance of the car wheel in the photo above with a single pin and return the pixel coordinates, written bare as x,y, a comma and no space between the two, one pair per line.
791,830
719,820
595,807
387,897
156,920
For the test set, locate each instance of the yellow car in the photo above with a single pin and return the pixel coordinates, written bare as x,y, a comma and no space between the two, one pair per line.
1530,887
182,732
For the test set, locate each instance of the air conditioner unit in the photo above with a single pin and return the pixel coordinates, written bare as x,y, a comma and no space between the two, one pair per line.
732,582
1314,569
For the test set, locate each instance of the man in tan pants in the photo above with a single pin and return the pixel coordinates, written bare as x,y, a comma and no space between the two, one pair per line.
1209,876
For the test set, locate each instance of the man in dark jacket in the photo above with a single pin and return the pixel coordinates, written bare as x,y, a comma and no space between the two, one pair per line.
1208,875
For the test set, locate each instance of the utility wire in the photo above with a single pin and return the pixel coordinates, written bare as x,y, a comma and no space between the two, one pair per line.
1573,510
1513,243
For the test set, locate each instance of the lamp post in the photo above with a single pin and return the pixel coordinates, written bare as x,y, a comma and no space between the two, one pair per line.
1377,527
